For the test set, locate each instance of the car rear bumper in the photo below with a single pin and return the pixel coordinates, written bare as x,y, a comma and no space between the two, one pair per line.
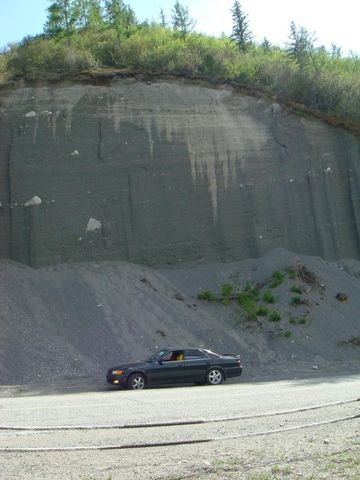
233,372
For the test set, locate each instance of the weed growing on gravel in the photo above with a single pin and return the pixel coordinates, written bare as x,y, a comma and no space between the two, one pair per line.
278,469
262,311
248,305
274,316
285,334
291,273
268,297
207,295
296,289
296,300
277,279
303,320
227,290
247,299
251,290
298,321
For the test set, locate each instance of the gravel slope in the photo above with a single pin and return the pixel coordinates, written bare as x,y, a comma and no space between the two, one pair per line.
75,320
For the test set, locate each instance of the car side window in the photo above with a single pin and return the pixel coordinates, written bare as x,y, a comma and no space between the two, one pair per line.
194,354
173,356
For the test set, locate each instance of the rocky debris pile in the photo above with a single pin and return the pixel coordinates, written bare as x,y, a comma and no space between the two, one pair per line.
76,320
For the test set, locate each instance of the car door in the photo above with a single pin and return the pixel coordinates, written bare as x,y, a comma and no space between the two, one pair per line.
170,369
196,364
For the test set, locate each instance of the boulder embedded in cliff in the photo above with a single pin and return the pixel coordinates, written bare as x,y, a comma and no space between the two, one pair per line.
33,202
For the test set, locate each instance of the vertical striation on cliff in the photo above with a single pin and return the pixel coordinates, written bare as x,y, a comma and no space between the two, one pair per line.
172,172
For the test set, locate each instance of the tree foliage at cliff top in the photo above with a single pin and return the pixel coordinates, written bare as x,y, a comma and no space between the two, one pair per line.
90,34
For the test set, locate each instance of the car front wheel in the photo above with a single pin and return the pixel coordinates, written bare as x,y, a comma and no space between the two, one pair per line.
214,376
136,382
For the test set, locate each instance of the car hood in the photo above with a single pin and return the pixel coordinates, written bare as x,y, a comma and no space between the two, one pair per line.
129,366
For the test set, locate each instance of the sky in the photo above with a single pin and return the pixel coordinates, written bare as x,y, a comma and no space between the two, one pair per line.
331,21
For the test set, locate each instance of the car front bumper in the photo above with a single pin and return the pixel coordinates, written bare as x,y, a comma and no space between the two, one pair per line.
118,380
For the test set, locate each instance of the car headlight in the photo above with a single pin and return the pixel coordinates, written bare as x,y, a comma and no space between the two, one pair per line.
117,372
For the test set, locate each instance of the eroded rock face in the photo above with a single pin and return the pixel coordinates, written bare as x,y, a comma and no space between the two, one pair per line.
172,172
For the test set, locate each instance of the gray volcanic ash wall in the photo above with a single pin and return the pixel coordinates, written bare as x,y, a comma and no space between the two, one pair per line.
169,172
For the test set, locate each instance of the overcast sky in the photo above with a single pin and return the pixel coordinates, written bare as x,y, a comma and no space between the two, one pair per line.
332,21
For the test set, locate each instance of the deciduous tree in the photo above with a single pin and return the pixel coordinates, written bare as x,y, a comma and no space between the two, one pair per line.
120,16
88,13
181,20
61,18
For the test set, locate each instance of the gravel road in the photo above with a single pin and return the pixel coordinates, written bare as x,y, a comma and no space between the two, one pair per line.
265,430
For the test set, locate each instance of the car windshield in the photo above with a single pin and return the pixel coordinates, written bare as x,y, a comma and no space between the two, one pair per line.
156,356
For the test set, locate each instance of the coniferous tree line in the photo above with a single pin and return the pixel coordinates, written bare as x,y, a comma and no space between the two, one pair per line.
94,34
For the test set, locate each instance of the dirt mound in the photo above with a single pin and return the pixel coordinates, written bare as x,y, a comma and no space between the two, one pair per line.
76,320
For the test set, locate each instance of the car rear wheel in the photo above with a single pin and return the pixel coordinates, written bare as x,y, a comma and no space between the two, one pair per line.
214,376
136,382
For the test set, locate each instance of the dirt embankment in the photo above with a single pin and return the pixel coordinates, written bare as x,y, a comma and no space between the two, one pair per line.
166,172
76,320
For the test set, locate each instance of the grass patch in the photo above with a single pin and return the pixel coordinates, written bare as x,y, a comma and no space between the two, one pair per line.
277,279
252,290
296,289
274,316
268,296
207,295
227,290
296,300
290,271
262,311
278,469
248,304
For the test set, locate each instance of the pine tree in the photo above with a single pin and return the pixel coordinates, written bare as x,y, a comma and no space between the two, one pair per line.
266,45
241,33
162,18
181,20
301,45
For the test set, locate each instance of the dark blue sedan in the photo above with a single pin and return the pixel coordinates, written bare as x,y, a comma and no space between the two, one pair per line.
176,366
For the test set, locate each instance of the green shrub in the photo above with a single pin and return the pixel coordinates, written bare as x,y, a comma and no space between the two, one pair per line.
303,320
291,273
43,58
248,304
276,279
296,289
286,333
296,300
274,316
268,296
227,290
329,84
252,290
262,311
292,320
207,295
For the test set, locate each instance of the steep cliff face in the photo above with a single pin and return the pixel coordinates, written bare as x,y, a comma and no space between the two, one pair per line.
168,172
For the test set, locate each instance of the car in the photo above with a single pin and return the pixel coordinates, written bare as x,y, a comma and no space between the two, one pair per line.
176,366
